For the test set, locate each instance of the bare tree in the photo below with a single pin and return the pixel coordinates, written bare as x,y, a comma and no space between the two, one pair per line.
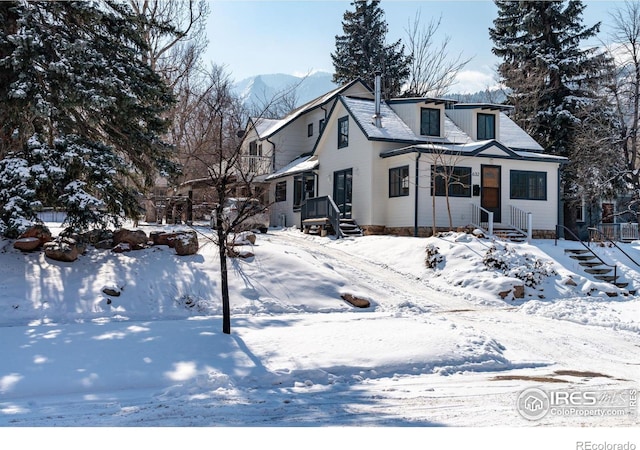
433,70
626,93
443,167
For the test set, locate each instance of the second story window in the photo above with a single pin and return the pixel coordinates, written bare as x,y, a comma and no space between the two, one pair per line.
486,126
310,130
429,122
321,125
343,132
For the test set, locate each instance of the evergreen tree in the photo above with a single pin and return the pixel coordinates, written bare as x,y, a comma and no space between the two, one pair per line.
362,50
82,115
552,80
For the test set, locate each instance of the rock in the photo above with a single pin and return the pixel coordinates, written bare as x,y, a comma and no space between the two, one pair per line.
41,232
163,238
93,237
63,249
504,294
137,239
27,244
122,247
570,282
113,291
355,301
107,244
186,243
518,291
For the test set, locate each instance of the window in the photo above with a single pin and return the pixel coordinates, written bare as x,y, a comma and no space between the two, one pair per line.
399,181
458,180
526,185
304,187
580,211
281,191
429,122
310,130
320,125
486,126
343,132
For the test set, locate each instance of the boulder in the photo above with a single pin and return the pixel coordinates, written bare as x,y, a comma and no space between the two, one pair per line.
137,239
112,291
27,244
39,231
163,238
186,243
356,301
63,249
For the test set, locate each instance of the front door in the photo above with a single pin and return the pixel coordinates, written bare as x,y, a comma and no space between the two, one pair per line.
490,192
342,186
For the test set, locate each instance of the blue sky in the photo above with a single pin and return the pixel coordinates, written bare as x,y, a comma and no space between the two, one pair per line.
298,36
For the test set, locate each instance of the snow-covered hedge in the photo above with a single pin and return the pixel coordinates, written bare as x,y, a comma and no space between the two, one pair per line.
531,270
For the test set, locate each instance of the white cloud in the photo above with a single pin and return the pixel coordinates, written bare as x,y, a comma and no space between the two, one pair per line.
471,81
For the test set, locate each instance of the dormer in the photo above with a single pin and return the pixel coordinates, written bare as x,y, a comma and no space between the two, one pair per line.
425,116
480,121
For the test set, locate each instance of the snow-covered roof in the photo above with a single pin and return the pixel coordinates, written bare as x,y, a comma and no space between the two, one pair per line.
515,137
472,149
393,128
299,165
268,127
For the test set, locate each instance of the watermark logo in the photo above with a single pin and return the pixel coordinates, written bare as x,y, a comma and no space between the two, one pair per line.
533,404
536,403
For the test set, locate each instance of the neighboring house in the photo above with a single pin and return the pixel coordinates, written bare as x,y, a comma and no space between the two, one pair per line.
404,166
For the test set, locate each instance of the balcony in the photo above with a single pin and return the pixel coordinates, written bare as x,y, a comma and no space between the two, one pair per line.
256,165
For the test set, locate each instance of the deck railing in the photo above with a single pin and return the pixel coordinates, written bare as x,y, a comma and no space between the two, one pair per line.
625,232
321,207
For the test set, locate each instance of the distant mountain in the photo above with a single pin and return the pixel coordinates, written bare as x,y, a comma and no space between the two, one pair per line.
261,89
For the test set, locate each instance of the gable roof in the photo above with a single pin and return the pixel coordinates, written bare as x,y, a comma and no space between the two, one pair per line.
266,128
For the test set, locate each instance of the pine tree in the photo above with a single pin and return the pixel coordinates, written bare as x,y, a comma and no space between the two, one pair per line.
83,114
362,50
552,80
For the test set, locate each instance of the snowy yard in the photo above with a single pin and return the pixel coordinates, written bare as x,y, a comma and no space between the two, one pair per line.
437,347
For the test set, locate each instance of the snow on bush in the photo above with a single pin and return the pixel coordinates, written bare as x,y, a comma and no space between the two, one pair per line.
531,270
433,257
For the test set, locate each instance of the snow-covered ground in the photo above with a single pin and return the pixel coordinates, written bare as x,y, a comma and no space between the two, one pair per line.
437,347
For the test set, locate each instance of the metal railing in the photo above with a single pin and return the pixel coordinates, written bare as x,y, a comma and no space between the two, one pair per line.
321,207
476,218
602,237
577,239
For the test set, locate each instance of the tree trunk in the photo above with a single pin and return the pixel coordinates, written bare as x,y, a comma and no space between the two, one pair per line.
222,251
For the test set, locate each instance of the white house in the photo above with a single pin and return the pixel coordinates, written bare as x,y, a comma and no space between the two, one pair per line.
404,166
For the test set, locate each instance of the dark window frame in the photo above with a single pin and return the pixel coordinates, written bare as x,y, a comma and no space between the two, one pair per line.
310,130
460,189
399,182
281,191
528,185
343,132
304,187
487,130
430,126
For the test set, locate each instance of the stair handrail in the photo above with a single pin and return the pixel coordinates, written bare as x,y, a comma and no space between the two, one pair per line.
331,210
521,220
615,267
601,234
476,218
